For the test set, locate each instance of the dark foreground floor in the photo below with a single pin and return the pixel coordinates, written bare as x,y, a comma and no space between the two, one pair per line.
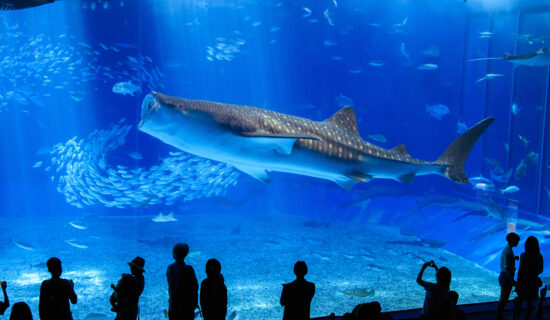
475,311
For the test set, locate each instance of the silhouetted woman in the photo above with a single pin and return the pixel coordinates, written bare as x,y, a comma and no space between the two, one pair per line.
20,311
530,266
297,295
213,295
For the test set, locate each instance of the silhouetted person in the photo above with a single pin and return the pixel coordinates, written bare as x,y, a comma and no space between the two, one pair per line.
540,307
6,304
125,299
55,294
20,311
507,270
458,314
530,266
297,295
182,286
213,295
437,304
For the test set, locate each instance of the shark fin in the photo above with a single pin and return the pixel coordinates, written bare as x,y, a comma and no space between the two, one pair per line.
255,172
401,150
346,183
360,176
406,178
345,119
454,157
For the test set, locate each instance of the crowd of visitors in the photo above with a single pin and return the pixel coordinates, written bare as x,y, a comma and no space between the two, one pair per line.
186,301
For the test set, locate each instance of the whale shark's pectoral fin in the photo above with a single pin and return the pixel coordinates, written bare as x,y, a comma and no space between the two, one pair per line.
280,142
360,176
346,183
258,173
406,178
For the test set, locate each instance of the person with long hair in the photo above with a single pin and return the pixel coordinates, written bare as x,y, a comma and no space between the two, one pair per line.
528,283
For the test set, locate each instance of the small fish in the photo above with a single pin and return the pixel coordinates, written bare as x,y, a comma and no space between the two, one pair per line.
77,95
461,127
355,71
437,111
38,164
427,66
308,12
377,137
76,226
256,24
165,218
329,43
335,3
432,51
404,53
523,140
506,147
515,109
327,17
509,190
135,155
374,24
376,63
24,246
336,58
125,45
126,87
489,76
76,244
485,34
484,187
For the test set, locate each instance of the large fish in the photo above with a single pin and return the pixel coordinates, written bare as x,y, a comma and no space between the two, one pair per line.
22,4
540,58
257,141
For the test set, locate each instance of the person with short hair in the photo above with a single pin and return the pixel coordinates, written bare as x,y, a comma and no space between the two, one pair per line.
437,304
297,295
528,284
182,286
507,270
21,311
213,295
6,304
125,298
55,294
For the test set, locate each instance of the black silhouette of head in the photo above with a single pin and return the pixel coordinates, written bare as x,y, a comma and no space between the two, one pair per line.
180,251
443,277
54,267
300,269
213,268
20,311
532,245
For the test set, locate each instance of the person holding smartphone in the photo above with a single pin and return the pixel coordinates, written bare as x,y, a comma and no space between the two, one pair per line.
437,303
4,305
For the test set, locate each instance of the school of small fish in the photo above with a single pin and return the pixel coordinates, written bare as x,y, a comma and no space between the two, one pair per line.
224,49
83,175
35,68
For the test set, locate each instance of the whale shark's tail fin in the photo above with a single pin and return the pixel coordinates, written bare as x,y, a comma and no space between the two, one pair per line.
457,152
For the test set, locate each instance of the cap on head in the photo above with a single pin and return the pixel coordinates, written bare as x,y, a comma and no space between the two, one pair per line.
300,269
213,268
180,251
138,263
54,266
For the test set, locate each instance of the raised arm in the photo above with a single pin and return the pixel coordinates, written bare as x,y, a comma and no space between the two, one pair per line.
6,304
419,277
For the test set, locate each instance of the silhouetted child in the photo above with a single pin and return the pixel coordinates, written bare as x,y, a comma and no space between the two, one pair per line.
55,294
182,286
21,311
458,314
297,295
125,299
437,304
540,307
528,284
507,270
6,304
213,296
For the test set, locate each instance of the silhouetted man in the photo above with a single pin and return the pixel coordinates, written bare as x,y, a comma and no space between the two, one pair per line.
507,270
297,295
55,294
182,286
213,295
4,305
125,299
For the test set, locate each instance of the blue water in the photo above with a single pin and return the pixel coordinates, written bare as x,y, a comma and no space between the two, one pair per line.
73,76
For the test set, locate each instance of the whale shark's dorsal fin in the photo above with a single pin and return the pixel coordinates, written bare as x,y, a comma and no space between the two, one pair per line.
345,119
401,150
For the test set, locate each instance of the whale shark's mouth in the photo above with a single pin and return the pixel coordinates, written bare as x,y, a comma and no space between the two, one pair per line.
148,106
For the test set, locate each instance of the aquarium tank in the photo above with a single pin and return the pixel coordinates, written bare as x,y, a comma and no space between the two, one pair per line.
324,133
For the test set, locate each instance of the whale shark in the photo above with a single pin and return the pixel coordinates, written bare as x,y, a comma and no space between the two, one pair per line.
540,58
257,141
22,4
